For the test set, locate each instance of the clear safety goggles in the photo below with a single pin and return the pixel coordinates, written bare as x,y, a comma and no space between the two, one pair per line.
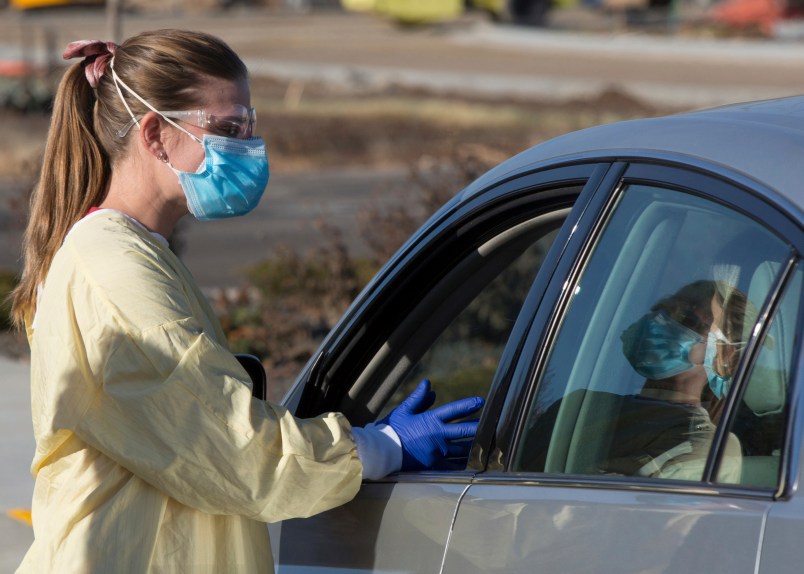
239,122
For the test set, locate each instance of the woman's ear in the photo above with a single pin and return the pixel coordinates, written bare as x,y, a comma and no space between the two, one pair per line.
150,135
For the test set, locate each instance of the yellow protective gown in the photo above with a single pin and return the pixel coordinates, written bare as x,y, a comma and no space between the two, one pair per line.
151,455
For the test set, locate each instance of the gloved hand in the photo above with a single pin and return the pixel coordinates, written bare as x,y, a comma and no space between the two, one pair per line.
426,435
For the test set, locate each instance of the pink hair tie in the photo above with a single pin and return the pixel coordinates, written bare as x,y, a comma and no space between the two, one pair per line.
96,56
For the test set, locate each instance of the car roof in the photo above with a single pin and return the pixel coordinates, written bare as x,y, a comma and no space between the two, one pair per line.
762,141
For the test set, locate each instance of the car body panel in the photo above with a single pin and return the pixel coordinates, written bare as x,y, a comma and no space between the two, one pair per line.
389,527
782,551
727,139
521,528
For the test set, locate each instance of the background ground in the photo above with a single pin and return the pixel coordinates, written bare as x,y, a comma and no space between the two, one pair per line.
334,152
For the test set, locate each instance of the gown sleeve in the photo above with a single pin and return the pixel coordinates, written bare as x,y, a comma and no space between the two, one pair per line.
172,405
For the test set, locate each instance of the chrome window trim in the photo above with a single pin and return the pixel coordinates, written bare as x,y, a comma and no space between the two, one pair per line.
432,477
622,483
625,483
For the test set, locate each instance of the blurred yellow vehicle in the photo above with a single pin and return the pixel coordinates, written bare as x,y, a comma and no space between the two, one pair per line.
408,11
430,11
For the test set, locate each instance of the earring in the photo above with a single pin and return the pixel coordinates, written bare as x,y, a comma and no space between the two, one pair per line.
162,156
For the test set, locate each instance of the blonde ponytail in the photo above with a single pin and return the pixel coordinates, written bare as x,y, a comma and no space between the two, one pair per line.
74,176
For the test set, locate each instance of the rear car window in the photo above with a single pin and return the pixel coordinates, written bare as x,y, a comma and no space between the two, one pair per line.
645,356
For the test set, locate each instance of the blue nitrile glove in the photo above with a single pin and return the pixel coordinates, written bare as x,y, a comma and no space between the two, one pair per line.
426,435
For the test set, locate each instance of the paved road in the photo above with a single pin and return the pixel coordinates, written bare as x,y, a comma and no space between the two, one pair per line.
470,55
16,452
218,252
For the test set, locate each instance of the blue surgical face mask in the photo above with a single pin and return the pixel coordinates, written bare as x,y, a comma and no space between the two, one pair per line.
231,179
718,383
658,347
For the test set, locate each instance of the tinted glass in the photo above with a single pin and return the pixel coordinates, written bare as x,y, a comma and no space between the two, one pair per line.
653,331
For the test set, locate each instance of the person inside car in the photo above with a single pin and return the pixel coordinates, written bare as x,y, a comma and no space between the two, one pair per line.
680,347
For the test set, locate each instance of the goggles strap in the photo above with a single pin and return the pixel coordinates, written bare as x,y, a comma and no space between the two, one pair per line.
118,82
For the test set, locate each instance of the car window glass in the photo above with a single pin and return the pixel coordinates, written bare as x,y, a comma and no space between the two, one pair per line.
635,380
462,360
759,420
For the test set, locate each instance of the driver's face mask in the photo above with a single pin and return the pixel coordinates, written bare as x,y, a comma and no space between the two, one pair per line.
230,180
658,347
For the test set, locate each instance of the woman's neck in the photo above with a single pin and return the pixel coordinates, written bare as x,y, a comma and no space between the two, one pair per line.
139,197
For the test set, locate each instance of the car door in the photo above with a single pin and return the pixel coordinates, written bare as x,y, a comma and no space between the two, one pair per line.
577,479
443,308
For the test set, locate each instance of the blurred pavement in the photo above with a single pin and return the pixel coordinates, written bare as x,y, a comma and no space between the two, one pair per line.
217,253
470,55
16,452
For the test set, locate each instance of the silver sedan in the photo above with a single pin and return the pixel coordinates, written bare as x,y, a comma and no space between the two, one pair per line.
628,300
